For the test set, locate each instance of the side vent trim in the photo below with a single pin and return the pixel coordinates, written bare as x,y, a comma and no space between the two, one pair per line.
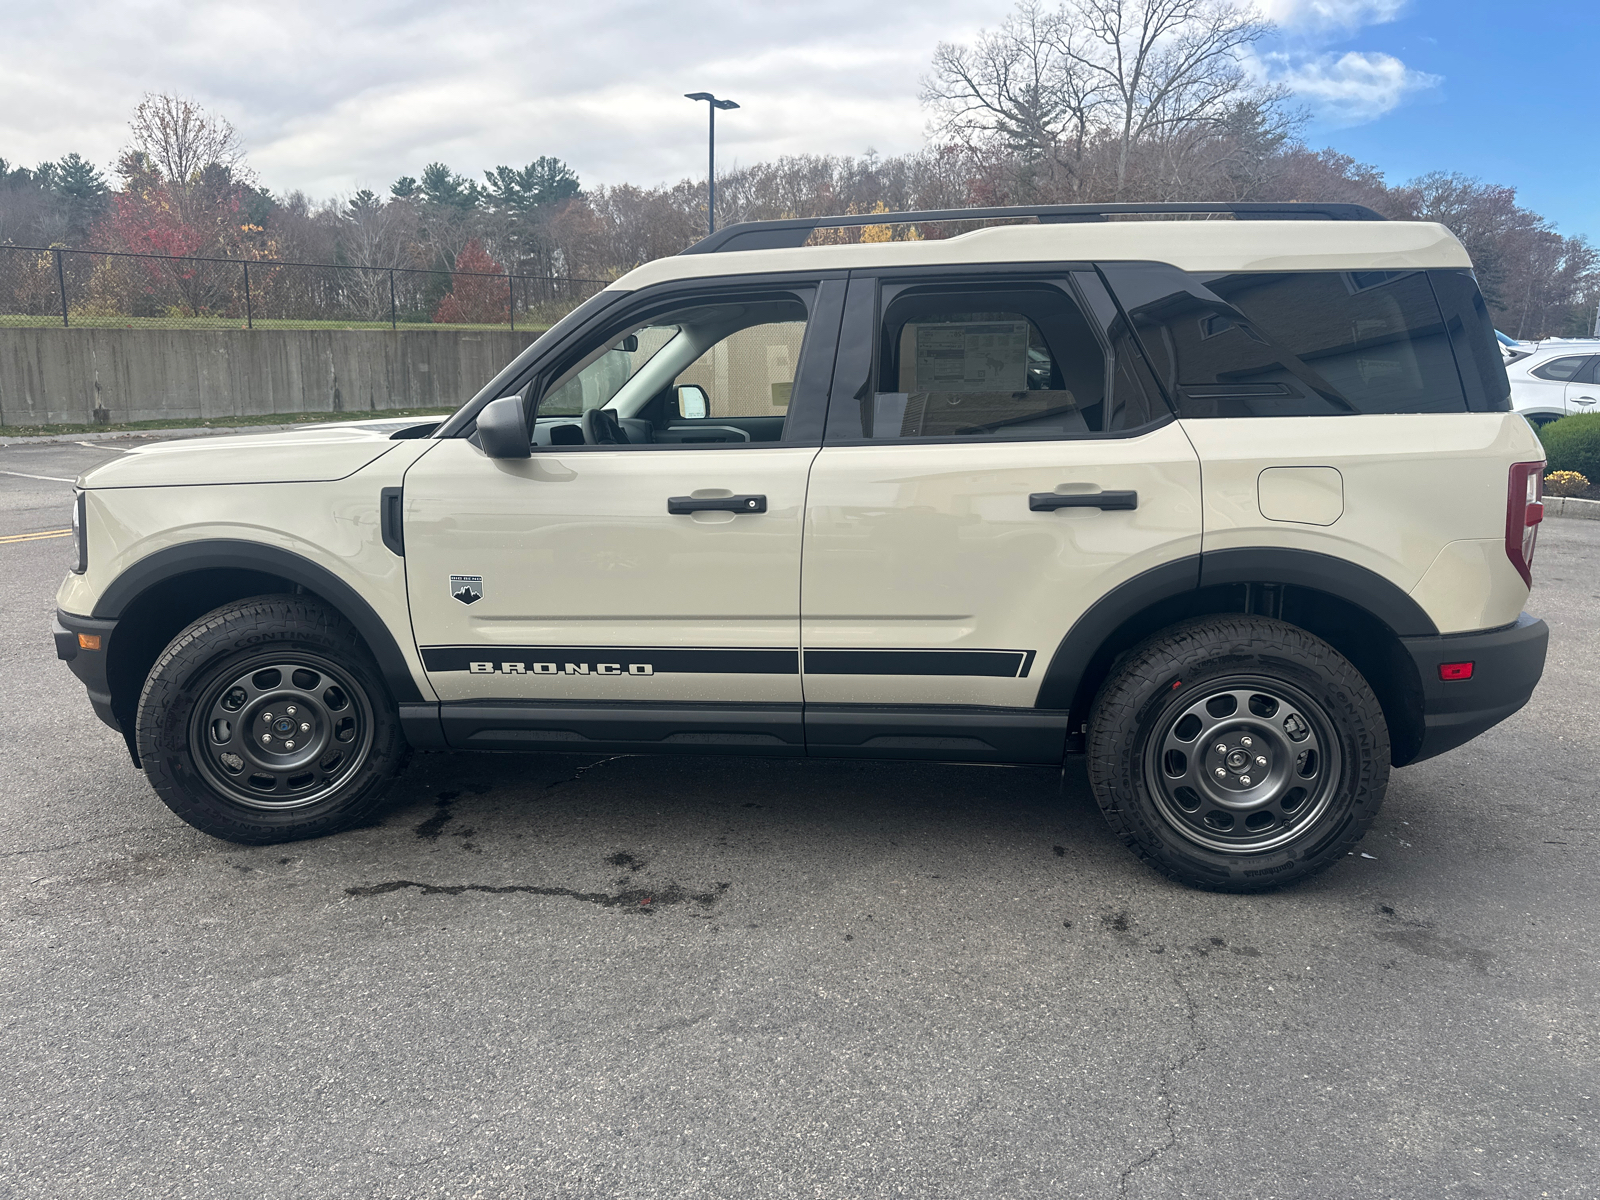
391,517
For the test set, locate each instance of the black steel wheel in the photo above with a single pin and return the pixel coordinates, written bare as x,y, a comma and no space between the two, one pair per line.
1237,753
267,721
1245,766
285,731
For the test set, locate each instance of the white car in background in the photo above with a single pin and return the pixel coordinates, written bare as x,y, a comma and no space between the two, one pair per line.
1558,378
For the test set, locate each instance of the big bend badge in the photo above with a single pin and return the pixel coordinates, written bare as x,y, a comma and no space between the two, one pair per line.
467,588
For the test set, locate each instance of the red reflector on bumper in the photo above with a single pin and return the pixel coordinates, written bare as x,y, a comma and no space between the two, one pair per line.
1449,671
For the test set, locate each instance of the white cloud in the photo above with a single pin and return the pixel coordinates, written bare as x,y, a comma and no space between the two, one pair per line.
1328,16
1350,88
334,96
1340,88
330,97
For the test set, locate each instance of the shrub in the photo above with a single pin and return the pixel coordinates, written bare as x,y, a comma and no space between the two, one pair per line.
1565,483
476,297
1573,444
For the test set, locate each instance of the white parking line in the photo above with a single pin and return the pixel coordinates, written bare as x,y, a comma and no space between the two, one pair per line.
51,478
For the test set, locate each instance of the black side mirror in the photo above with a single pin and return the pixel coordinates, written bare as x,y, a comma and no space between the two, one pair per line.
503,429
629,343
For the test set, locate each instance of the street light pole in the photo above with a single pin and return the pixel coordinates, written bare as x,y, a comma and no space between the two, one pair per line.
711,153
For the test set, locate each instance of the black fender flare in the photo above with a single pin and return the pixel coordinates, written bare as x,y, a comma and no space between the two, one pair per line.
1173,581
223,554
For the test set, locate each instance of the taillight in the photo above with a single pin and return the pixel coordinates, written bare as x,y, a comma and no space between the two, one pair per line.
1524,511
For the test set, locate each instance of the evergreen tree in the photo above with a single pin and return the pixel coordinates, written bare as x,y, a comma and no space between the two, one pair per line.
443,187
85,193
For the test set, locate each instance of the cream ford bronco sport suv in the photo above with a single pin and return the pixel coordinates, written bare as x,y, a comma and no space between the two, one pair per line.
1237,508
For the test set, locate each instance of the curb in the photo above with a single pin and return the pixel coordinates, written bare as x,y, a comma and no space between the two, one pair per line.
1571,506
197,431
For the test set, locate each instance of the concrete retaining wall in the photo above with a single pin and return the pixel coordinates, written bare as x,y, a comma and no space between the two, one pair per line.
59,376
1571,506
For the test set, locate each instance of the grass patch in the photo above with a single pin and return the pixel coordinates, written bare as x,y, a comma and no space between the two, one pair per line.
11,321
309,418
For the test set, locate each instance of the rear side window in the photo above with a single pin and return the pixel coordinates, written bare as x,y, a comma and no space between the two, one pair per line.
1561,370
1003,360
1473,336
1303,343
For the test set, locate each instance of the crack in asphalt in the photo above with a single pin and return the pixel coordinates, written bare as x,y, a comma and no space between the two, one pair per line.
84,842
578,774
641,900
1169,1107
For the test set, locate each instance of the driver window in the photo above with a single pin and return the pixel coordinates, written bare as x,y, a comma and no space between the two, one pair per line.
598,383
719,371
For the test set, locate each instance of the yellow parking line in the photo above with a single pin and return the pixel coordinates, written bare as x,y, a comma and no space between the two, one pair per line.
35,537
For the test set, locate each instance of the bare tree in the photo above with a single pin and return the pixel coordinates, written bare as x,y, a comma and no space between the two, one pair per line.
1023,84
1166,65
181,139
1096,75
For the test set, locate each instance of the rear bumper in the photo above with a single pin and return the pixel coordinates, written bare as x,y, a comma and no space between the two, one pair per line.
1506,666
88,665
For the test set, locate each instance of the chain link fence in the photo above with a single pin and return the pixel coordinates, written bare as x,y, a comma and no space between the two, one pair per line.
55,287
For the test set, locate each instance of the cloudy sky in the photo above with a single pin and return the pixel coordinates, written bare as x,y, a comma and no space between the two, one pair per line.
332,97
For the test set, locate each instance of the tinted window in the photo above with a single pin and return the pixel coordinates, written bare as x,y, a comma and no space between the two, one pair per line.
1293,343
1474,339
1561,370
992,361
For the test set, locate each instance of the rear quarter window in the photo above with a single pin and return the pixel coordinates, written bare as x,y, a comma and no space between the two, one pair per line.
1293,343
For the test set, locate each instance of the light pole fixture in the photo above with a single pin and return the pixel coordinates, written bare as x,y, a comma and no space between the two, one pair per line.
711,172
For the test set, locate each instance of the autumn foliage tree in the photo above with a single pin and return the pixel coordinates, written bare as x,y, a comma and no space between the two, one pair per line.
184,196
478,290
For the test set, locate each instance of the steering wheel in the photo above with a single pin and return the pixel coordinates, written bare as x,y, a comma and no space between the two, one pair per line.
601,428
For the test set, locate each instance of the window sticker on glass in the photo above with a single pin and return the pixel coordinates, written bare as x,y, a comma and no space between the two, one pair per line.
991,356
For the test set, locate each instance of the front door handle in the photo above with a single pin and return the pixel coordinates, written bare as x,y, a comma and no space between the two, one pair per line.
1050,501
677,505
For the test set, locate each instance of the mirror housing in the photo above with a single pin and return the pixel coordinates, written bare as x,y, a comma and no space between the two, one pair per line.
693,403
503,429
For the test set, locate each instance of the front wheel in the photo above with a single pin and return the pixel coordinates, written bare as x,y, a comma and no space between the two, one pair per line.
1238,753
267,721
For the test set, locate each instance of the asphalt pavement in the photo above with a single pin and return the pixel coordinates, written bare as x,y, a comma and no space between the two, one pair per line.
567,977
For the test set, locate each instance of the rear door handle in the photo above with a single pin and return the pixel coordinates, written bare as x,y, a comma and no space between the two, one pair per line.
1050,501
678,505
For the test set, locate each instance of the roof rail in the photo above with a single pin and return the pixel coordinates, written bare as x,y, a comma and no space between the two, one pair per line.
787,234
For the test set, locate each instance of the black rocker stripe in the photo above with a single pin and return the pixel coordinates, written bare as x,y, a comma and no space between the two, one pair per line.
992,664
663,660
995,664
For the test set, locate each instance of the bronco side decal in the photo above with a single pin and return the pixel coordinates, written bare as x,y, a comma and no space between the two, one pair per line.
609,660
660,660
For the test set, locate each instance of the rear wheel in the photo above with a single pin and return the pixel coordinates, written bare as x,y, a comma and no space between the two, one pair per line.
267,721
1238,753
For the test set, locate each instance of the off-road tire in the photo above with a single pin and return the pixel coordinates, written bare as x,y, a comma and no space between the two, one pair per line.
185,699
1253,662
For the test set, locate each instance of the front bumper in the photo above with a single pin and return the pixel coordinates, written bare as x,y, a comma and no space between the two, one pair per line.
1506,666
88,665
